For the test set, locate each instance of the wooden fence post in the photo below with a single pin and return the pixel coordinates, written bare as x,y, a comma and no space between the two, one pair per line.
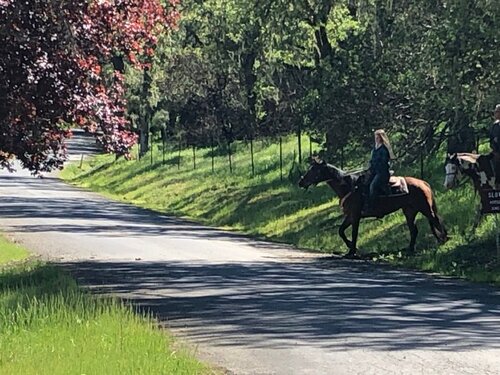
251,152
194,156
151,142
229,156
213,156
281,159
179,158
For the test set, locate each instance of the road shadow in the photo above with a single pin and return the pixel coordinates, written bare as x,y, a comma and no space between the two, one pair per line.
336,305
98,216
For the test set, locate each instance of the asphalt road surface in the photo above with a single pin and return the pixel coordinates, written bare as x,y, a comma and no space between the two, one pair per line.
254,307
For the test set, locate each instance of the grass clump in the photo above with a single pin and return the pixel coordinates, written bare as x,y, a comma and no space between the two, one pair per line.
10,252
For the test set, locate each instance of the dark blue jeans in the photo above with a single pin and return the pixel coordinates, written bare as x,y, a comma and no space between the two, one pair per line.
378,185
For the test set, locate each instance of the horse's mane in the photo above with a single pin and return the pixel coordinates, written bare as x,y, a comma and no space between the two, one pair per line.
349,177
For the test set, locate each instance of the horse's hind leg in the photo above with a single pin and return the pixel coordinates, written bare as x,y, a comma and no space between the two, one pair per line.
437,227
410,215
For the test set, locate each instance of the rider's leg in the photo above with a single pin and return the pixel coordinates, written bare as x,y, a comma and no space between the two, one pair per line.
375,186
366,192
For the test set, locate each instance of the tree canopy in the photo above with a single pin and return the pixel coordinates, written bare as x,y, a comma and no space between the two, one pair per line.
61,63
425,70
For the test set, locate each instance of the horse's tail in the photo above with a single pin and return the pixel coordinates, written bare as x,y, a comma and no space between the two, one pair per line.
436,223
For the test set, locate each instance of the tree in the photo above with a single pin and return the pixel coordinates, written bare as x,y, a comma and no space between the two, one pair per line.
61,63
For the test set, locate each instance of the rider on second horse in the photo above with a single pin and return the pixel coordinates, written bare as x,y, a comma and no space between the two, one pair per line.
379,169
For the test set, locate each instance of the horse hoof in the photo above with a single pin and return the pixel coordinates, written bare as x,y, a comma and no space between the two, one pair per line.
351,255
444,240
410,251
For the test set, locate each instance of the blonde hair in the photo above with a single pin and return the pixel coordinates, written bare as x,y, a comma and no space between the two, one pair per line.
385,141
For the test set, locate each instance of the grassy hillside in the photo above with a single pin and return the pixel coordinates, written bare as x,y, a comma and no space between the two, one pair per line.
267,206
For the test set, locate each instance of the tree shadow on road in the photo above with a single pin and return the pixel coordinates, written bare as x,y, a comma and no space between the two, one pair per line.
339,305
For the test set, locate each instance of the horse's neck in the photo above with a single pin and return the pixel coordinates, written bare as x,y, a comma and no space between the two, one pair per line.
338,182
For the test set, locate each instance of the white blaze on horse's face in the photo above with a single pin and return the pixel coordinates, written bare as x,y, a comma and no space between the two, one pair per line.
452,175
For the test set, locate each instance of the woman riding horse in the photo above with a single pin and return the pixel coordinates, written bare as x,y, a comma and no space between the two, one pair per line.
379,169
419,199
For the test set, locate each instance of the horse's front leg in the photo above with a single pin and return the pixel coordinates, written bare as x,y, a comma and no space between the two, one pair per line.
350,244
477,220
355,228
345,224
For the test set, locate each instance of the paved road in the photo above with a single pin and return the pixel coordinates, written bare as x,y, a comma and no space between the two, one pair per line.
255,307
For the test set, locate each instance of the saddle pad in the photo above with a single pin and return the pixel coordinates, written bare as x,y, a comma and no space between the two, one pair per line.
398,185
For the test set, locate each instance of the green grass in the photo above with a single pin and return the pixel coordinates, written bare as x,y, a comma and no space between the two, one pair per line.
50,326
266,206
10,252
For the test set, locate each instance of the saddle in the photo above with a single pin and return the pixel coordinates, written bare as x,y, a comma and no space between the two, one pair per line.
397,186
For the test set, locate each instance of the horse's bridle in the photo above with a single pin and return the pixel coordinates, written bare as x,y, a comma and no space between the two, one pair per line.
455,174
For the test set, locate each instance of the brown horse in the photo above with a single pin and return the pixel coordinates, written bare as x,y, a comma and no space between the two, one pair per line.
418,199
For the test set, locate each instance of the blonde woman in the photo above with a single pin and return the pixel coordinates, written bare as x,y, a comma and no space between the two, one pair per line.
379,168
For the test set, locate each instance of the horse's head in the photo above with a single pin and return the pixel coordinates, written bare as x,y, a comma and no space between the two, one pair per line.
452,170
317,172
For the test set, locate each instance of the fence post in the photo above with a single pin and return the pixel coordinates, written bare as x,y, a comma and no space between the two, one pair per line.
151,142
164,135
299,141
281,159
194,156
310,147
498,237
229,155
213,156
421,164
179,158
251,152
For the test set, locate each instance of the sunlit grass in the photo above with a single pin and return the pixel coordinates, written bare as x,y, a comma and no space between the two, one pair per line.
49,326
10,252
274,207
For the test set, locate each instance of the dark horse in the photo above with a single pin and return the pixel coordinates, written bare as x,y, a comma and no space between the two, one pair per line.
418,199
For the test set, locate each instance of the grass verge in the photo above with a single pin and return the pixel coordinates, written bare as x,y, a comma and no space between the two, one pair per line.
271,205
50,326
10,252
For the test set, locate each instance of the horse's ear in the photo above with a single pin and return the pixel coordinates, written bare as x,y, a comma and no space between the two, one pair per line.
316,159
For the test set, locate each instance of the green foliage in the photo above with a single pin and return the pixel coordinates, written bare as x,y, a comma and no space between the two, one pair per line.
425,71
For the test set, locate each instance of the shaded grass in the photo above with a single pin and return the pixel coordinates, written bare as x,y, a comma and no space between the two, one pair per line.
267,206
48,325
